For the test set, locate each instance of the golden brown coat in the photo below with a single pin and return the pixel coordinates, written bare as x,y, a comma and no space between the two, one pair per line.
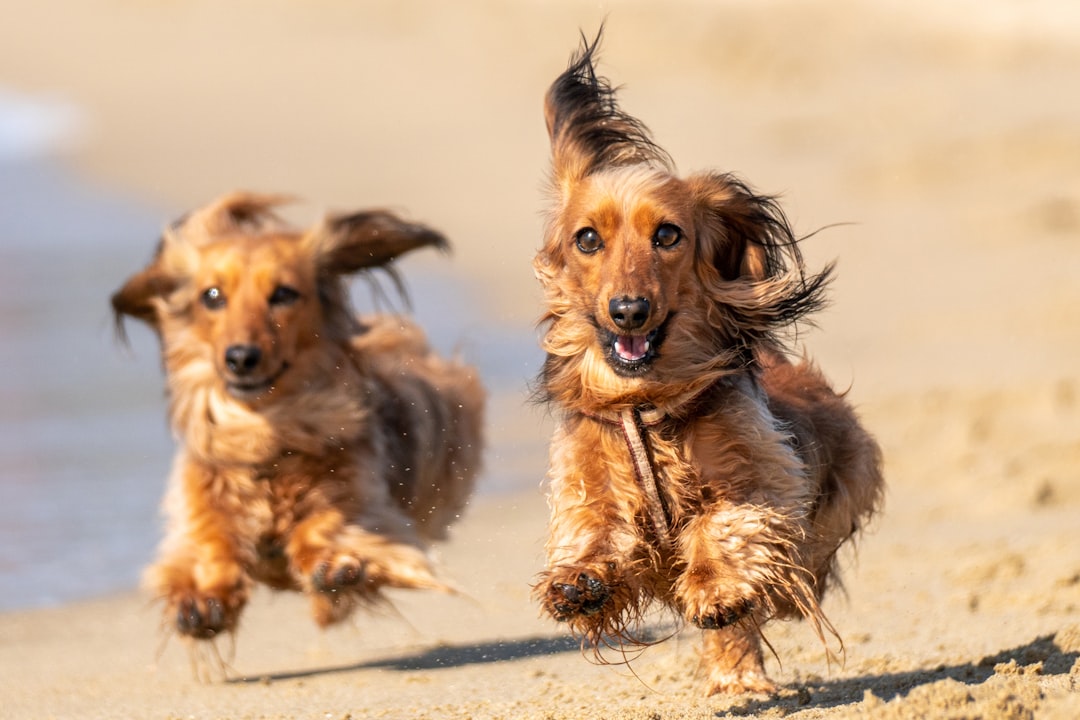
319,452
667,303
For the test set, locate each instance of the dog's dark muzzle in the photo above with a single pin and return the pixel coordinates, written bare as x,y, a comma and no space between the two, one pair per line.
242,360
247,378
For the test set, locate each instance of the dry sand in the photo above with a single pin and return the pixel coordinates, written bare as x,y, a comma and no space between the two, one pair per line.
948,138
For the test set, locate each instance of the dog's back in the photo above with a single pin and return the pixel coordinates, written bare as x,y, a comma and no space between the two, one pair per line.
842,459
429,411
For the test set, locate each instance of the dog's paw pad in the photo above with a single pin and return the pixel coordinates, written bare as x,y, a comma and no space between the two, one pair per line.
586,596
203,619
331,577
721,617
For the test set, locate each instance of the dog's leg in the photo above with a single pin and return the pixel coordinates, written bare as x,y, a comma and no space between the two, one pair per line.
199,572
733,661
342,565
203,587
729,554
739,564
597,577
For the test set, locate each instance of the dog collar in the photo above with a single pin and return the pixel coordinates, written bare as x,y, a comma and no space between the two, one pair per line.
647,415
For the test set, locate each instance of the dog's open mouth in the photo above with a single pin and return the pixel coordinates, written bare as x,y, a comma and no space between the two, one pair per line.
632,355
252,388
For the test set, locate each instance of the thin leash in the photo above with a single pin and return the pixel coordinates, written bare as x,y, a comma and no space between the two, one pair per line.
631,420
643,470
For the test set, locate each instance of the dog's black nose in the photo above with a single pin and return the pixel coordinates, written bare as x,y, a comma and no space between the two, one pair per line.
629,313
242,359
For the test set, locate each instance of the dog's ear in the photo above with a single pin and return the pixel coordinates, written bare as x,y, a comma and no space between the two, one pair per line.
235,212
740,234
239,211
346,244
588,131
745,239
136,298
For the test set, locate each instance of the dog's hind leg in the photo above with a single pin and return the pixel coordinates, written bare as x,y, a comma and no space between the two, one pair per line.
342,565
733,661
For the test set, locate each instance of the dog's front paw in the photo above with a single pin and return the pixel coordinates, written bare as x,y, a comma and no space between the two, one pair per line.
738,682
572,592
204,617
339,584
733,661
719,616
712,598
586,596
340,573
343,580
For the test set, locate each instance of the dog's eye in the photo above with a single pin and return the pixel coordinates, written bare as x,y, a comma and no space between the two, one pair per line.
213,298
284,295
667,235
588,240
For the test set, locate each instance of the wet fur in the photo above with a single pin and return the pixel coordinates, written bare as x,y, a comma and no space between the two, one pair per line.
764,470
329,465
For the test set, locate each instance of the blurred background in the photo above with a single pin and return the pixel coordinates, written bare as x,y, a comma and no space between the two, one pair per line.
940,140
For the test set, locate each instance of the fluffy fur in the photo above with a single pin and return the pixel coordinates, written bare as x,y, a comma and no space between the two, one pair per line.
673,297
319,452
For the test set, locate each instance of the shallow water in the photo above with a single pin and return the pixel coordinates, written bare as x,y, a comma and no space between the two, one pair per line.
84,445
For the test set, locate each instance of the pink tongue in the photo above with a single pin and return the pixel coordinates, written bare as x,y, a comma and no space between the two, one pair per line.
631,347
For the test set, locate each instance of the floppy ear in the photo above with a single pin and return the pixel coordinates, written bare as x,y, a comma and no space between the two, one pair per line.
744,238
588,131
237,211
741,235
136,297
349,243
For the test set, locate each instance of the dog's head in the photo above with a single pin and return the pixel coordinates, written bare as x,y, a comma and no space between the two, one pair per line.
653,280
241,300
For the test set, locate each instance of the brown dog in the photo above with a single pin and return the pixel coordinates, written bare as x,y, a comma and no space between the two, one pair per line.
694,465
319,452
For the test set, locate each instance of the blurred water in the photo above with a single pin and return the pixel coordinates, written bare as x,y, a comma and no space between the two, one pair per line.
83,441
84,445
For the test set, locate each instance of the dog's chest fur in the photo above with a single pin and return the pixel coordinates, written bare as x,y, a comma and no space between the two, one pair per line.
709,452
607,470
331,413
259,506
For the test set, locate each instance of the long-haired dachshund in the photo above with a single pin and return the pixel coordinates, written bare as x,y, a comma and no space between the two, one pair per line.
694,465
319,451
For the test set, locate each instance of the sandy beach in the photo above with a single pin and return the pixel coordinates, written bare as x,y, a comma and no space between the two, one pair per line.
939,146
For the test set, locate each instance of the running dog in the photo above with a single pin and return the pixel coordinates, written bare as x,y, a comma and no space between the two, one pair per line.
694,465
319,451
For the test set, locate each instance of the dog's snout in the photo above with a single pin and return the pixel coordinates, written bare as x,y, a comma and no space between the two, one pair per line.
242,359
629,313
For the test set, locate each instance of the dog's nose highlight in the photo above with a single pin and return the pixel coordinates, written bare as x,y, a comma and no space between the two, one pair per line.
629,313
242,359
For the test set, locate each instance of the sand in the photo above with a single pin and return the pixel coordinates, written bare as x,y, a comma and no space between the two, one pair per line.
942,141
